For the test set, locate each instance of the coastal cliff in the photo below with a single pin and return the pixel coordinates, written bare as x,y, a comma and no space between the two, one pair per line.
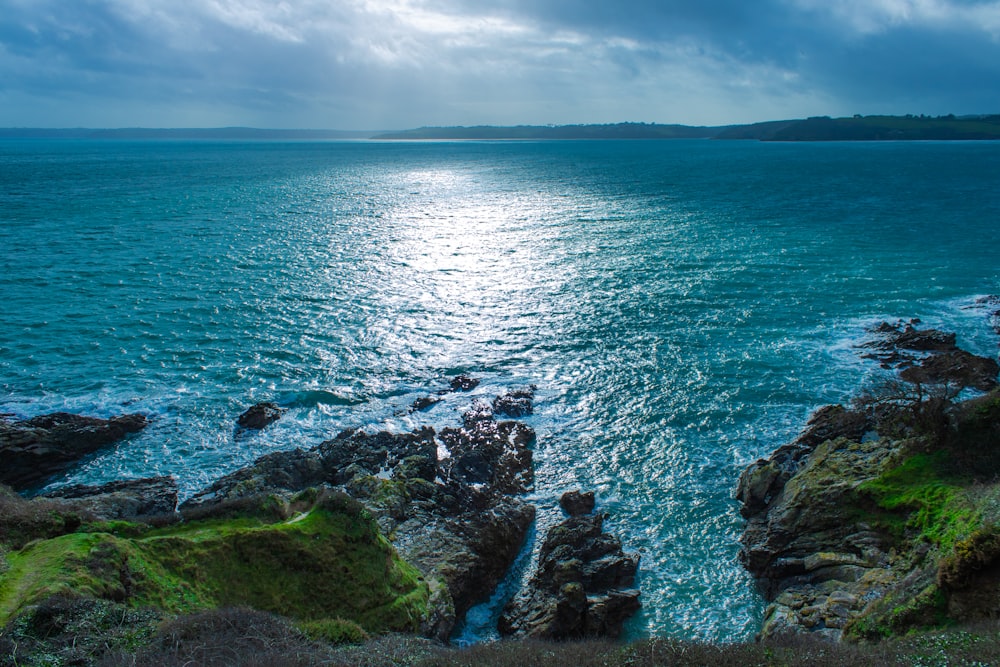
883,517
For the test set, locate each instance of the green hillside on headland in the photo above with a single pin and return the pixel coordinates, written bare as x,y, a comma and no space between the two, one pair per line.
823,128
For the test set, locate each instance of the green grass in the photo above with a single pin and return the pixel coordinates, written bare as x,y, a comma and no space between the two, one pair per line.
920,501
329,562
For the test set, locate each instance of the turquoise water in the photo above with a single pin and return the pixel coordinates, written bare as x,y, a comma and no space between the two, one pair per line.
682,306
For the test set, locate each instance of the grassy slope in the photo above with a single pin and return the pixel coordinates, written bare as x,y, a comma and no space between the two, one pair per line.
328,562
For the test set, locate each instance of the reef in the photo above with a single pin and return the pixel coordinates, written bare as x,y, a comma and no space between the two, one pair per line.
882,517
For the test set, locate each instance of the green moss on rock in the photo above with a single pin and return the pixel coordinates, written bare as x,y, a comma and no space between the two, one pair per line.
921,500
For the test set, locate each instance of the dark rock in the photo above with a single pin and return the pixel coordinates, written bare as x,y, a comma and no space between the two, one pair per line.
517,403
581,587
469,551
956,369
479,412
488,452
464,383
831,422
575,503
260,415
33,450
907,337
279,472
424,403
128,499
930,357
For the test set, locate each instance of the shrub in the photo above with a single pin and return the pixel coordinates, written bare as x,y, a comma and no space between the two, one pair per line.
335,631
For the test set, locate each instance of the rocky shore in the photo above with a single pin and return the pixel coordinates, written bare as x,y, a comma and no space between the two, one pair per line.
882,517
302,533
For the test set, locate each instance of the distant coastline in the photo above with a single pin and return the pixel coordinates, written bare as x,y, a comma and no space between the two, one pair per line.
206,134
817,128
820,128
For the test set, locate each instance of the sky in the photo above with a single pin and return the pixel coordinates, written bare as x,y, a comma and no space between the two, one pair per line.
396,64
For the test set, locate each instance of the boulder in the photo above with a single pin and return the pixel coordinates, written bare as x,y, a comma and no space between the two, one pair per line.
260,415
423,403
34,450
576,503
463,383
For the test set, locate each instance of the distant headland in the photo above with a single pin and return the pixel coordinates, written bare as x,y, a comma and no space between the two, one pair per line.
817,128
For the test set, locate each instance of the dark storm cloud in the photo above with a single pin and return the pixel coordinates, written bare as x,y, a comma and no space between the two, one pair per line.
399,63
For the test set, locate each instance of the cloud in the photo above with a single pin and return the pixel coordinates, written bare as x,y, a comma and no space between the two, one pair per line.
401,63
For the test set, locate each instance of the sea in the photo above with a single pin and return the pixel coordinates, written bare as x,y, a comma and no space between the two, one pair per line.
681,306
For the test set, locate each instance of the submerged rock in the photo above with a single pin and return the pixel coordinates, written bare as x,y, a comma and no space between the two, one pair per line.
33,450
582,587
423,403
991,304
260,415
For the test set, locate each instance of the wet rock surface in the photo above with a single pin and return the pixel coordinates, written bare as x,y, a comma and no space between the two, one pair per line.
260,415
463,383
583,584
456,516
126,499
517,403
576,503
991,304
929,357
458,383
34,450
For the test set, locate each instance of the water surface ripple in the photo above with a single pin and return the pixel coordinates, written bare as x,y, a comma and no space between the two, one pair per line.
682,306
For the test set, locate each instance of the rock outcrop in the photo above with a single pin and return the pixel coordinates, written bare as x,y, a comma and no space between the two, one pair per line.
816,560
456,516
583,584
930,357
858,527
126,499
260,415
34,450
517,403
